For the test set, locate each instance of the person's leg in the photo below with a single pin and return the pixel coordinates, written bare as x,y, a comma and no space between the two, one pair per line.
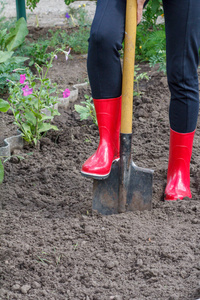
106,37
182,22
105,76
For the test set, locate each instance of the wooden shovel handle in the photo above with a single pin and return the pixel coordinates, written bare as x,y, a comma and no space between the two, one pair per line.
128,66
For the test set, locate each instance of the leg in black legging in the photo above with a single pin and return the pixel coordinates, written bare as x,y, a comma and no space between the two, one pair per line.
182,22
107,34
105,75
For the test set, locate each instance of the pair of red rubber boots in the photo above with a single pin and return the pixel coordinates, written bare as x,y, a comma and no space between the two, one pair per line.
98,166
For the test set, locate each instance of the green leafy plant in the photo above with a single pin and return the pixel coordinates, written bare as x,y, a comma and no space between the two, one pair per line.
10,70
150,41
153,49
37,52
4,105
150,15
3,22
86,110
31,4
160,59
2,7
78,38
10,41
58,38
137,78
67,2
30,96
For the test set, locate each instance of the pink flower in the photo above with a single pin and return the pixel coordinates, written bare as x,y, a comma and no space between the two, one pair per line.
22,78
66,93
55,56
26,90
67,53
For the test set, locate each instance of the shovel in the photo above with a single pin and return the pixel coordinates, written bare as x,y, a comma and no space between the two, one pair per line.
128,187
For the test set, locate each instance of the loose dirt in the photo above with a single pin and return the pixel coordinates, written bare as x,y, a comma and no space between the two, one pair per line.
54,247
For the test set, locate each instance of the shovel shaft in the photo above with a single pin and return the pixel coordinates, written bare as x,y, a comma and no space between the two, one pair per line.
128,66
127,103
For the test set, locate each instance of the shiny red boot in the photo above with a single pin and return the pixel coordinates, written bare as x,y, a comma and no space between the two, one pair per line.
108,113
178,176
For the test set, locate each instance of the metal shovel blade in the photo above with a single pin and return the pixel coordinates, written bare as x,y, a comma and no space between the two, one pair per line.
138,190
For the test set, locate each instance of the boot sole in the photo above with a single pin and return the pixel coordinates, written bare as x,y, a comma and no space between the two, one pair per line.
96,176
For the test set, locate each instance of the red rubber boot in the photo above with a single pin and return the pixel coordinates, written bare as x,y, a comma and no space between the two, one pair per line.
178,176
108,113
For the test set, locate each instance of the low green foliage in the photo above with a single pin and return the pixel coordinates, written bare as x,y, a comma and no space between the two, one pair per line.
31,4
150,42
27,108
37,52
51,257
137,78
28,99
77,40
87,110
5,24
160,59
9,42
10,71
4,105
151,12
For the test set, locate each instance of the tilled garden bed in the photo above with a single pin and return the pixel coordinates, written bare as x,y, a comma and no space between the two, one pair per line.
54,247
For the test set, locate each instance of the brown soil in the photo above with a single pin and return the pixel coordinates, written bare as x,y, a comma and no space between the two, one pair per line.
54,247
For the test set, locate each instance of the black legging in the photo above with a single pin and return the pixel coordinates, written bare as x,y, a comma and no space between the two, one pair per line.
182,22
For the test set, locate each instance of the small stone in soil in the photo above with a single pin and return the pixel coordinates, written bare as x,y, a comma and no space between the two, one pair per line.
36,285
139,262
25,288
88,229
16,287
195,221
111,264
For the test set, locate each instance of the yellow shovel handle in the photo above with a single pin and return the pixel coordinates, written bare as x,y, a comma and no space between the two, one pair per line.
128,66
